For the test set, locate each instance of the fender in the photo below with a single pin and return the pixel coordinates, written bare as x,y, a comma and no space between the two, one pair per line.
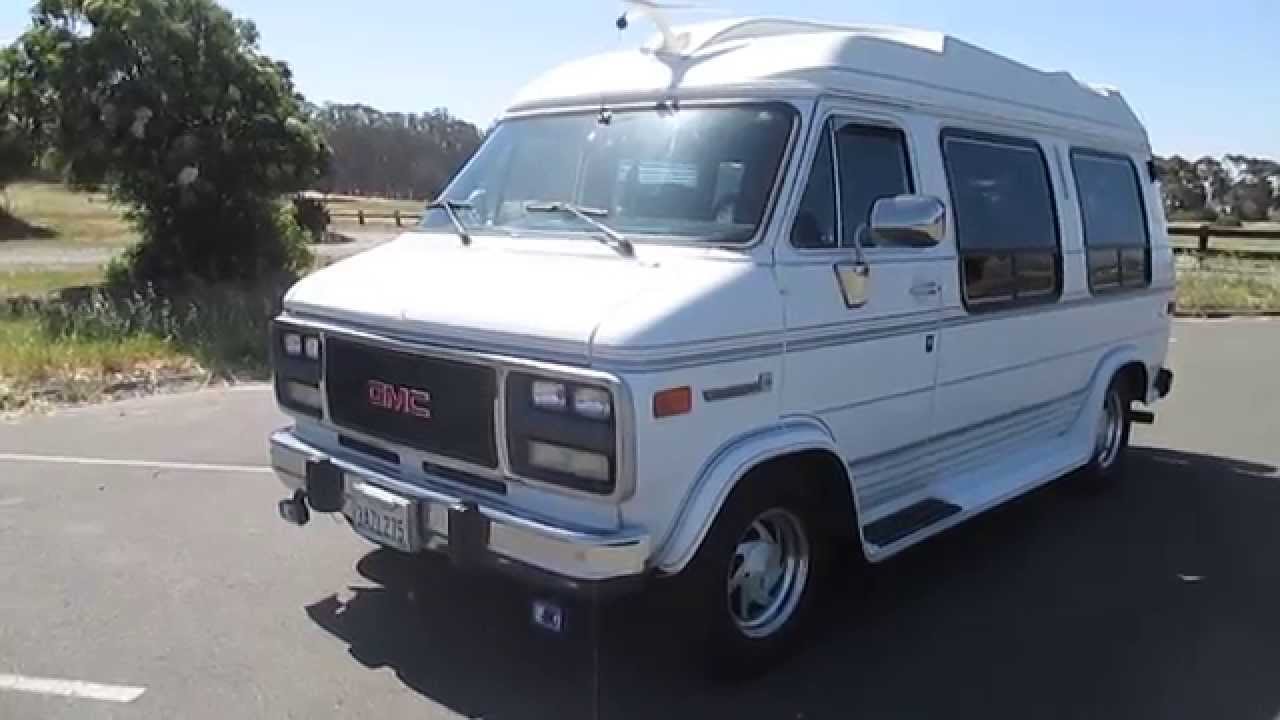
1106,369
721,473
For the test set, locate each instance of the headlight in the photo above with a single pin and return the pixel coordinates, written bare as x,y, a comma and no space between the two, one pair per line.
303,394
296,362
548,395
561,432
583,464
593,403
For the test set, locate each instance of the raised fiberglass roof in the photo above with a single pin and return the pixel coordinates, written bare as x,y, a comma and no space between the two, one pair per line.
913,66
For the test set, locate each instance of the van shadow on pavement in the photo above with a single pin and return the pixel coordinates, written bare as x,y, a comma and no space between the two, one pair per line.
1156,598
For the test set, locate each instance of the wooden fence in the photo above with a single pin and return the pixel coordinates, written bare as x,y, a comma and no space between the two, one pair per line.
1205,235
361,217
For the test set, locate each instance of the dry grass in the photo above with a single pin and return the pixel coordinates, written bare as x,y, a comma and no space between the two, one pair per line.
49,211
1228,284
44,281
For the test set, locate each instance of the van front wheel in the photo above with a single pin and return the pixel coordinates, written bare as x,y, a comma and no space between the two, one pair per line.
755,577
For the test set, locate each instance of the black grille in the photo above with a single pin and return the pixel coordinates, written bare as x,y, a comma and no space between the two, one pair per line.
439,406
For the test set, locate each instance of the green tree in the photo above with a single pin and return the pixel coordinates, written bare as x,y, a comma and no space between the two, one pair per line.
1183,190
172,106
17,135
403,155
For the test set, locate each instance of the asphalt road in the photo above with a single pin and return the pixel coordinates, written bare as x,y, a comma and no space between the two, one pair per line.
1159,598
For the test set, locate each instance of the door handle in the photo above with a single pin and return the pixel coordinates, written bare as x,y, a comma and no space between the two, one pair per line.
926,289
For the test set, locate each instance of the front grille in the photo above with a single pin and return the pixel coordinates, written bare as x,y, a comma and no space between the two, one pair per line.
431,404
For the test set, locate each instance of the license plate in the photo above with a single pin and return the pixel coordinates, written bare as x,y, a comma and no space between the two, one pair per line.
382,516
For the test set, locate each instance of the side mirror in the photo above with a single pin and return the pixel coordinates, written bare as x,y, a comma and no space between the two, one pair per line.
917,221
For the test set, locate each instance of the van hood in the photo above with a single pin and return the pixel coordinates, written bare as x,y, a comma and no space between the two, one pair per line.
541,298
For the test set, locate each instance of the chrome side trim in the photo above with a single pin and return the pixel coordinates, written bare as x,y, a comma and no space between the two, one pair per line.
763,383
889,454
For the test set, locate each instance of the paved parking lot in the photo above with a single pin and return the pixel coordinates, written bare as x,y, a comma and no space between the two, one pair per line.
140,552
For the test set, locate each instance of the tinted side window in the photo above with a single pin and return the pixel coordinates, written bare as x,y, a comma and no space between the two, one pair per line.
815,223
1115,221
1006,223
873,164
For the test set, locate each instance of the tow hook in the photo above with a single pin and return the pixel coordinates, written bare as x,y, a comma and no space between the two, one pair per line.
294,510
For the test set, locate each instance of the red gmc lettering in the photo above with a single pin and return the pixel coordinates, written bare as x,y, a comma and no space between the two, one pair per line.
399,399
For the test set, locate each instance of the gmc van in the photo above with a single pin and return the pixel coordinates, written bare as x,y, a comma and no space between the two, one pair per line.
714,309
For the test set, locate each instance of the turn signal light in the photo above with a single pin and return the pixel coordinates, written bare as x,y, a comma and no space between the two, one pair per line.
672,401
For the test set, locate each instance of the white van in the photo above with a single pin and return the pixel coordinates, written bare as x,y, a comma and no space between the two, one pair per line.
716,308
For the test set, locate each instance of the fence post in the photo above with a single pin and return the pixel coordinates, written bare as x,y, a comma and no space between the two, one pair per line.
1204,239
360,216
397,216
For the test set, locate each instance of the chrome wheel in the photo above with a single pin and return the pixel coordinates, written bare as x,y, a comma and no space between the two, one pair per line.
768,573
1110,431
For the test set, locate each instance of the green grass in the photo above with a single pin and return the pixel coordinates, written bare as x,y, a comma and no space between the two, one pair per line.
60,351
71,369
43,281
50,211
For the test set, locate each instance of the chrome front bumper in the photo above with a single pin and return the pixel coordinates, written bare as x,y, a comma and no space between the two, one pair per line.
536,550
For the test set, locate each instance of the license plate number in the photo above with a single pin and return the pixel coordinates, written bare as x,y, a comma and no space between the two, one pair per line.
381,516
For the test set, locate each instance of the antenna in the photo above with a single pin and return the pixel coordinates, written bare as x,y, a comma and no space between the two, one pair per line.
672,44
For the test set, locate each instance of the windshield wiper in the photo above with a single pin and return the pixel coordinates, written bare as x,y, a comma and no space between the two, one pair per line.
614,239
451,208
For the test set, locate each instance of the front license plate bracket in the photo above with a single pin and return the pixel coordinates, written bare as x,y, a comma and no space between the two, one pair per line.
383,517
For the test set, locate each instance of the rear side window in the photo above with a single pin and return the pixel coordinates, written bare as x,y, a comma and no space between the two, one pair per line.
1006,223
1116,236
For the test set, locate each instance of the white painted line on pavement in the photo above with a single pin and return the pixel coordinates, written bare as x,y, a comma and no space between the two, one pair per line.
71,688
150,464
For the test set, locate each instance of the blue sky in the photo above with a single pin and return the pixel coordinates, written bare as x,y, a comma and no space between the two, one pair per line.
1204,81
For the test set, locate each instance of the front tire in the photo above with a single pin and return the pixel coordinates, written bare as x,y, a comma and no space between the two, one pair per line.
756,577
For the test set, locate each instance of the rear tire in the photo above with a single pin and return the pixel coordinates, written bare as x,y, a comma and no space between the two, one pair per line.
1111,437
756,577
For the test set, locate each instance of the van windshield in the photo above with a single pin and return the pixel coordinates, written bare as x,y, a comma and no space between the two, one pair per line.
700,173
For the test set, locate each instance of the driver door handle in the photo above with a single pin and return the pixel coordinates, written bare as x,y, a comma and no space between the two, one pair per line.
926,289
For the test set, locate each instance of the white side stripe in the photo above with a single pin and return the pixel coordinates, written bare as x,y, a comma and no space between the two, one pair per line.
150,464
71,688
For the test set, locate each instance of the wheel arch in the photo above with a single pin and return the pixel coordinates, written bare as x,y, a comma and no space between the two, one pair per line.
1124,361
803,440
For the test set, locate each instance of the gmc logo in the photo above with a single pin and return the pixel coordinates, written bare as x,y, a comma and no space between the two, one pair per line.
399,399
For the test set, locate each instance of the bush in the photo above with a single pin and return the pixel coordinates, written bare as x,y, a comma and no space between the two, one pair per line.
1228,221
312,216
253,242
